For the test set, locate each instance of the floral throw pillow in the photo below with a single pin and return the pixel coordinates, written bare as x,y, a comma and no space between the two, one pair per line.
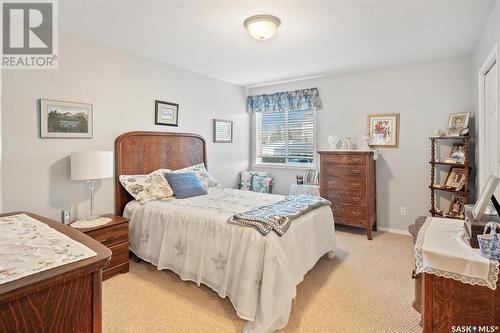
145,188
261,184
246,178
201,172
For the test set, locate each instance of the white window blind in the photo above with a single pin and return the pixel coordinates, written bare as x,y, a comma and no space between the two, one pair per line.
285,138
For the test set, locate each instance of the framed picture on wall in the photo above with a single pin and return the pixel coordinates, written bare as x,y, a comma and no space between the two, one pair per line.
166,113
223,131
59,119
383,130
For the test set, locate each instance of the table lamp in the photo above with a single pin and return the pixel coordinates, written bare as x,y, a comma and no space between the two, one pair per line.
89,166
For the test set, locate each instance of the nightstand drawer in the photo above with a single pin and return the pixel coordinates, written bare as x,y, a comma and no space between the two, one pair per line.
111,235
119,255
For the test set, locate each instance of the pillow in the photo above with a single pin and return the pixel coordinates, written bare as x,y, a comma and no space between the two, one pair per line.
145,188
246,178
261,184
201,172
185,184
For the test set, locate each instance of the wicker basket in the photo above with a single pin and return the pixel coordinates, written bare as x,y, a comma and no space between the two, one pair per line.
489,244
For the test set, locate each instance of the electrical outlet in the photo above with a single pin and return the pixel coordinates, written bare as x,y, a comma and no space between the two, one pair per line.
65,216
402,211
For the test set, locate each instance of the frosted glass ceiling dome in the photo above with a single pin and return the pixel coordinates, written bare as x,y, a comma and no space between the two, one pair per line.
262,26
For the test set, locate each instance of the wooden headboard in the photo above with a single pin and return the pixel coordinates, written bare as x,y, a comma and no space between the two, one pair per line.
143,152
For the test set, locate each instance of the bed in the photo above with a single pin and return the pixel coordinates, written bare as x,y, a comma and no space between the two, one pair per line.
192,238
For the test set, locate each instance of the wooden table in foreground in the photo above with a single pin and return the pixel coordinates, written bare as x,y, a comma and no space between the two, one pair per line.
63,299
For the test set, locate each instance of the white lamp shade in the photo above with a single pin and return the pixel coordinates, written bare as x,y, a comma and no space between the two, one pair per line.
91,165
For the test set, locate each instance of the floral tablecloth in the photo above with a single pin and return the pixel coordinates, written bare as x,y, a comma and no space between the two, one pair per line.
28,246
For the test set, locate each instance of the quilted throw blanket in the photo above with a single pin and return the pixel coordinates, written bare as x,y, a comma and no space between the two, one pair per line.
278,216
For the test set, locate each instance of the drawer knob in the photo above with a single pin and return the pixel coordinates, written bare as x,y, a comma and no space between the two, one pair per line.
105,239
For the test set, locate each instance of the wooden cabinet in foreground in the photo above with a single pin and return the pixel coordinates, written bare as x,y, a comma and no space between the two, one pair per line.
66,298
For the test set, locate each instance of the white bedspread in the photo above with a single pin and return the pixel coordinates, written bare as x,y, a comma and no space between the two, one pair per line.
258,273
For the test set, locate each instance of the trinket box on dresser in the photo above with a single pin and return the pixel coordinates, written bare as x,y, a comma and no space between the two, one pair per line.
474,227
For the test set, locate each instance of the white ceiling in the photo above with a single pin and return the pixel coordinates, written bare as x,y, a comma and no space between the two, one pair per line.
314,38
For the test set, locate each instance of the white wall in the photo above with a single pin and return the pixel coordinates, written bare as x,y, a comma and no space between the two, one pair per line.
489,39
424,94
122,87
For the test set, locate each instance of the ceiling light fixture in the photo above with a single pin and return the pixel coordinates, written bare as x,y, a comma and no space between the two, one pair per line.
263,26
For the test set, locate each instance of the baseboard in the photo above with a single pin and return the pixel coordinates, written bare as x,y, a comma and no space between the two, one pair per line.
394,231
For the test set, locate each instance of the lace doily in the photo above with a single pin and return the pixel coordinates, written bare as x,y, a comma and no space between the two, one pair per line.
82,224
489,281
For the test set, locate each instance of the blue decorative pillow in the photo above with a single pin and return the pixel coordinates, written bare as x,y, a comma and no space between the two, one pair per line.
185,184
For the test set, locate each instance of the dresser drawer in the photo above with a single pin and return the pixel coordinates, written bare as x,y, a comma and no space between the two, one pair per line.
112,235
348,210
119,255
343,159
350,221
343,184
345,170
353,197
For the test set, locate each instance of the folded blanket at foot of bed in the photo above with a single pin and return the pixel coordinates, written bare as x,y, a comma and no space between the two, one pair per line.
279,215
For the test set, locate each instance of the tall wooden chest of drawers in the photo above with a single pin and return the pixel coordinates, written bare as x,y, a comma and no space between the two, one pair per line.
347,179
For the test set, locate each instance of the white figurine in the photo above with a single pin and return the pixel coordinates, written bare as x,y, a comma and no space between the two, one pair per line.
346,143
333,141
364,143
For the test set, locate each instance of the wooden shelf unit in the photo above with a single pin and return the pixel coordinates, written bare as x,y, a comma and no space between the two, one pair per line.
467,165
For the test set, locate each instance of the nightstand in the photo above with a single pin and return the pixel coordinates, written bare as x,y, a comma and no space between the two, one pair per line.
114,235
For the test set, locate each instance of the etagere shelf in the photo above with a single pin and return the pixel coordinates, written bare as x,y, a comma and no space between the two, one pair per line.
467,166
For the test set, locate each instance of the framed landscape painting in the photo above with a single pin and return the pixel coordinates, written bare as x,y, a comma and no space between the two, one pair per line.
59,119
384,130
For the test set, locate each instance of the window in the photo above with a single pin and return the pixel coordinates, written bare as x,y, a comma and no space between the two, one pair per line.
285,138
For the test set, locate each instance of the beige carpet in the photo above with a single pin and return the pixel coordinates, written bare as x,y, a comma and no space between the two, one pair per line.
367,288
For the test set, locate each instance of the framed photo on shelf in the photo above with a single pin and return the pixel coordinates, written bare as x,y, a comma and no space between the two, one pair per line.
311,177
457,154
223,131
166,113
484,198
383,130
59,119
457,207
457,123
455,179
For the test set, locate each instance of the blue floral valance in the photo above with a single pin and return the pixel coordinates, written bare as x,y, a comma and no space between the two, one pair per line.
304,99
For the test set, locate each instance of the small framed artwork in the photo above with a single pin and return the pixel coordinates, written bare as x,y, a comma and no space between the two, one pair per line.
311,177
456,179
166,113
59,119
383,130
223,131
457,207
457,123
485,197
